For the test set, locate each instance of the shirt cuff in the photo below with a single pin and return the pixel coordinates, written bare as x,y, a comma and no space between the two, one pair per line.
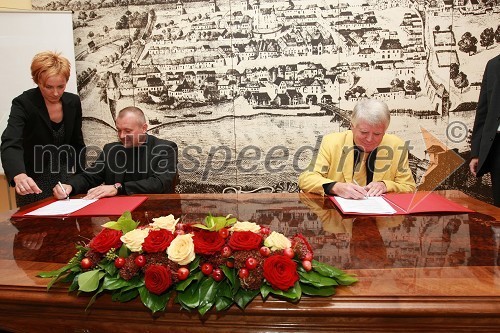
328,188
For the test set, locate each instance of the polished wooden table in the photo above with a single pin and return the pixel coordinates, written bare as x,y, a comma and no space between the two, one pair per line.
416,273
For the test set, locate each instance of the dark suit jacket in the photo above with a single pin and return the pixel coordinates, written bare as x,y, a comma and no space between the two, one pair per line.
29,126
159,177
487,115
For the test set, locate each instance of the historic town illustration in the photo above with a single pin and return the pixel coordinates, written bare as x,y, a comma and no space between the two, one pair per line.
247,89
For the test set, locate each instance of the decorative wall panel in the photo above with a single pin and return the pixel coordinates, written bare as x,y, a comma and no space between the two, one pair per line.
248,88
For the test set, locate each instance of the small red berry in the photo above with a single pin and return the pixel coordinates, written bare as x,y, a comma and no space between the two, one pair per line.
207,268
179,232
307,265
243,273
217,274
224,233
308,256
265,251
226,251
182,273
86,263
251,263
289,252
179,226
230,263
119,262
140,260
265,230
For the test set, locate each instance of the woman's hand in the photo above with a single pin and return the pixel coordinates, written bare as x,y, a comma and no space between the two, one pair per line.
26,185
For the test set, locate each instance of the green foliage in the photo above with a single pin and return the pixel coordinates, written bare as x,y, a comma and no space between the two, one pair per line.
197,292
215,223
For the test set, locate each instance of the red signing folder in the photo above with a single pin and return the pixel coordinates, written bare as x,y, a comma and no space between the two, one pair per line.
112,206
415,203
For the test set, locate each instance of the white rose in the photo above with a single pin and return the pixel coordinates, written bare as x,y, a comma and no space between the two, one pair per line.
134,239
181,250
245,226
165,222
276,241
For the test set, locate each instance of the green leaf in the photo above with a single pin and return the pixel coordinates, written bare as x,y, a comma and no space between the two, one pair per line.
243,297
89,281
182,285
194,265
189,297
74,284
93,298
215,223
224,289
200,226
326,270
316,279
126,223
114,283
59,274
124,251
265,289
111,225
207,290
292,294
346,279
223,303
152,301
230,274
108,267
125,296
317,291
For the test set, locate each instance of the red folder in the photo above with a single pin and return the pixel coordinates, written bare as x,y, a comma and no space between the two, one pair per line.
103,207
418,203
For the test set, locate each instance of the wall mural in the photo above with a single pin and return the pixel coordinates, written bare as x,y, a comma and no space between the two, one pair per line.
248,88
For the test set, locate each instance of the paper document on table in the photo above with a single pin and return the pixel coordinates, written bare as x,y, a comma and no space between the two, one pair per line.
369,205
62,207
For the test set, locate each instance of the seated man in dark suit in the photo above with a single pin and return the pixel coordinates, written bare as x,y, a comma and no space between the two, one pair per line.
140,163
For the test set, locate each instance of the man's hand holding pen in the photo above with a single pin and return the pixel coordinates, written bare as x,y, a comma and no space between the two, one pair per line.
62,191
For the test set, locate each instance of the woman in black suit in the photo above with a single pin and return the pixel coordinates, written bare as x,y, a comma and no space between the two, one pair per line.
43,141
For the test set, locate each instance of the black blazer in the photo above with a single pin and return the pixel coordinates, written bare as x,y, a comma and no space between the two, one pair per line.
487,115
160,176
28,135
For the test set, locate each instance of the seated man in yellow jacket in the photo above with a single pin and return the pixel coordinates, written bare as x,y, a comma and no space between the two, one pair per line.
363,161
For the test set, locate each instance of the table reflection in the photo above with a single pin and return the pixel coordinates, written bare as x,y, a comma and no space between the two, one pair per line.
362,242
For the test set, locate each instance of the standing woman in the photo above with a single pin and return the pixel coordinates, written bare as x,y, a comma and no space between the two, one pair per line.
43,141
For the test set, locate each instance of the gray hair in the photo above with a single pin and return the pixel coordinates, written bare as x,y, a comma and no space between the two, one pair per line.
371,111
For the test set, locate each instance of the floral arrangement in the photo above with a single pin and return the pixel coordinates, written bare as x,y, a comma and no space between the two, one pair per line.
219,263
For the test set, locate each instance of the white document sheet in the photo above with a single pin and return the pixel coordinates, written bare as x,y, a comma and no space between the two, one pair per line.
62,207
369,205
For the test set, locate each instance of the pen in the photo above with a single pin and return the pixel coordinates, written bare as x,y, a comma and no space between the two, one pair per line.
62,188
355,182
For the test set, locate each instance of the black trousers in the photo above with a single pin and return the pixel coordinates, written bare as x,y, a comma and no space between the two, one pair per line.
494,164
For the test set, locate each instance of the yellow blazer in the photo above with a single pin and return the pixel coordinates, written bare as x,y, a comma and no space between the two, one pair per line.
335,162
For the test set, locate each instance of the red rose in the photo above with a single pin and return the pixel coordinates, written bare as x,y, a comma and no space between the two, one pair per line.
157,240
281,272
207,242
105,240
245,240
157,279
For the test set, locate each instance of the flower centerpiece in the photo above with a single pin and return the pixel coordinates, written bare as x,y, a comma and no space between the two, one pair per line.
218,263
